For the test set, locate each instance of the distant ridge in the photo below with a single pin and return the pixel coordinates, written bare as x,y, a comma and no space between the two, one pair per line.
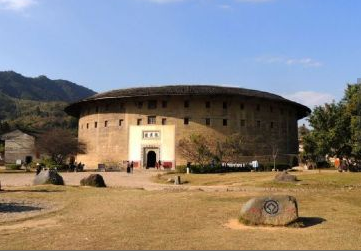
37,104
41,88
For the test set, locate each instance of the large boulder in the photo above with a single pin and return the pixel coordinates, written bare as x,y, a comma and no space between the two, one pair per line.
285,177
279,210
94,180
48,177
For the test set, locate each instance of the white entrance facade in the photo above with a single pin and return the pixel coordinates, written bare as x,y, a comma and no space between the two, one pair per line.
149,144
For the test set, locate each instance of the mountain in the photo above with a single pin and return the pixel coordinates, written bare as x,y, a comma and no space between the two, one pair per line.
37,104
41,88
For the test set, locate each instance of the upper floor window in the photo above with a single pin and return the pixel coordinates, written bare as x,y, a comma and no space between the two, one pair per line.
208,104
164,104
186,104
120,122
151,120
152,104
258,124
95,124
139,121
225,122
139,104
242,106
106,123
225,105
87,125
243,123
271,125
164,121
208,121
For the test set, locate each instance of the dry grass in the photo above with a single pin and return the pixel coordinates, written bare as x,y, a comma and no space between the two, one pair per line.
310,179
112,218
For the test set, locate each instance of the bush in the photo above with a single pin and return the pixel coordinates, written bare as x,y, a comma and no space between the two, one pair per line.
51,164
181,169
219,169
12,167
323,164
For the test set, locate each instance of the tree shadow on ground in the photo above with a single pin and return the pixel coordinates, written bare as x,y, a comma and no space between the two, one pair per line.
17,208
304,222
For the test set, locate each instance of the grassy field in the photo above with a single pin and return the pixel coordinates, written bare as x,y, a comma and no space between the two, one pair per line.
112,218
309,179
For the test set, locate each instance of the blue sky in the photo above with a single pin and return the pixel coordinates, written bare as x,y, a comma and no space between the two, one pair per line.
304,50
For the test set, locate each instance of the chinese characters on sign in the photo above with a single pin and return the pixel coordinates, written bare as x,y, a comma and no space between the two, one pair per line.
151,134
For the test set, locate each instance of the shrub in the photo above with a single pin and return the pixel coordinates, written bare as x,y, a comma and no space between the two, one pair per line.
181,169
12,167
218,169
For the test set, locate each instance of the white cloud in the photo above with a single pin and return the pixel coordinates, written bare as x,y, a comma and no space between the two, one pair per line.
310,98
16,5
225,6
305,62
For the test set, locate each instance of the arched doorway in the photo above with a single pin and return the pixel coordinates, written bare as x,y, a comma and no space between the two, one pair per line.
151,159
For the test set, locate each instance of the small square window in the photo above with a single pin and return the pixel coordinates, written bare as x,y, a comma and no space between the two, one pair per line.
225,122
225,105
152,104
208,121
151,120
186,121
208,104
164,104
243,123
95,124
139,104
139,121
164,121
186,104
120,122
105,123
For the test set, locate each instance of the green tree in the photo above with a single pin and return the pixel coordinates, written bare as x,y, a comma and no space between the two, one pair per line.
336,127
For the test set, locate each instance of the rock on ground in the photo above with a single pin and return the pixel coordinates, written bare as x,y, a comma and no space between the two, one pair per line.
279,210
94,180
48,177
285,177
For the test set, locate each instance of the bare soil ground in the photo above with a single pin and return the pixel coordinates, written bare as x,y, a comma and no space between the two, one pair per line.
129,218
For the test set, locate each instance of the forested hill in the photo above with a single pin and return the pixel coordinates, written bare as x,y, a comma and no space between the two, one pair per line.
41,88
37,104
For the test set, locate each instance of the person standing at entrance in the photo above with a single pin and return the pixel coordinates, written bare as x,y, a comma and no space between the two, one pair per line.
128,167
131,166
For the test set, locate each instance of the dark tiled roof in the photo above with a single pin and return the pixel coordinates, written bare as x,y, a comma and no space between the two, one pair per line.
183,90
